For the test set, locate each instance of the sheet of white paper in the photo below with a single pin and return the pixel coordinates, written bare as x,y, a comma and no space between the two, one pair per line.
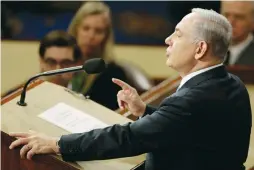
71,119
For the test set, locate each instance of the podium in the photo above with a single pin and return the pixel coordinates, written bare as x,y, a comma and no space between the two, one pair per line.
41,96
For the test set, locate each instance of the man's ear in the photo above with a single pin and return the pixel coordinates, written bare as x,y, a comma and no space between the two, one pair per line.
202,48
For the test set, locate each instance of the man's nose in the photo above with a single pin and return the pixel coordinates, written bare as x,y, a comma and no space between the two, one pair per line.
58,66
231,19
168,41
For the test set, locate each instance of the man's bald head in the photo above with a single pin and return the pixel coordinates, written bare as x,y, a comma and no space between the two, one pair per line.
241,16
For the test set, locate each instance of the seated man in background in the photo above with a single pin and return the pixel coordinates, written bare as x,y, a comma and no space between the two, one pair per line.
241,16
58,50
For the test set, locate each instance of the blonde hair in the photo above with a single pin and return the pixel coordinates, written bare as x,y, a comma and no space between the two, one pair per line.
93,8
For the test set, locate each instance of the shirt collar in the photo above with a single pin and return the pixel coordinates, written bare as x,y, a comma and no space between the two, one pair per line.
193,74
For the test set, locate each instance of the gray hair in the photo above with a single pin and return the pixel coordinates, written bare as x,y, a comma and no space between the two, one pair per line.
214,29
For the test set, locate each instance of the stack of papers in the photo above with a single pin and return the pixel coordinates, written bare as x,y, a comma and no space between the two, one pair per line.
71,119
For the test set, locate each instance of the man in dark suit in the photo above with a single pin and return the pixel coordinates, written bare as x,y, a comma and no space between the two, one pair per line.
241,16
205,125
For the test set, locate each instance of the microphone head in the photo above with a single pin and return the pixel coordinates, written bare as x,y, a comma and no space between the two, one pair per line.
95,65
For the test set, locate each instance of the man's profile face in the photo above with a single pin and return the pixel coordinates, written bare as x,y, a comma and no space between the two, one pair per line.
57,58
240,15
181,46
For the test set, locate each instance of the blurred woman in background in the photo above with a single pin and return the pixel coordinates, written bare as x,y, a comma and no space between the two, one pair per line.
92,28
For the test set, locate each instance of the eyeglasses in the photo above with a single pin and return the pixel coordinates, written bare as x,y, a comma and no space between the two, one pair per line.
64,63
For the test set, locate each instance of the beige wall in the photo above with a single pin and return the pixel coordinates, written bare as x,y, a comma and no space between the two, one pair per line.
151,59
19,61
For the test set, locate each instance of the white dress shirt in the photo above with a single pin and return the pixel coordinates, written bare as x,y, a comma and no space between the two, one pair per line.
193,74
235,50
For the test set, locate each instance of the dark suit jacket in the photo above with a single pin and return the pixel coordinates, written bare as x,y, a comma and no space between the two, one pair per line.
247,56
203,126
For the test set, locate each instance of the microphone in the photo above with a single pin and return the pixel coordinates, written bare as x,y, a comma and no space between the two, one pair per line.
92,66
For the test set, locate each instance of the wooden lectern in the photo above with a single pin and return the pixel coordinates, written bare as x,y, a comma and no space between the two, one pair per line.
42,96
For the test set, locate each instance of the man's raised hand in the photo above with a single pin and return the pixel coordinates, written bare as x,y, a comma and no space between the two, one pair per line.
128,98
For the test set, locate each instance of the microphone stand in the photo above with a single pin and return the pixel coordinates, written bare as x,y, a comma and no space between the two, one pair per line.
22,102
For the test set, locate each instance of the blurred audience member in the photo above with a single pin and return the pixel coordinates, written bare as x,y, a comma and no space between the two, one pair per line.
241,16
58,50
91,26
